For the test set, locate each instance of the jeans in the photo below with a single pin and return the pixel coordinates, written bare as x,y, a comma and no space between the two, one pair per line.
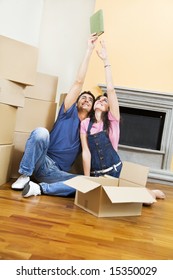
36,162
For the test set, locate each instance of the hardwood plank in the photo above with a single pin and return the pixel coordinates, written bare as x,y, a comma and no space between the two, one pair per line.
53,228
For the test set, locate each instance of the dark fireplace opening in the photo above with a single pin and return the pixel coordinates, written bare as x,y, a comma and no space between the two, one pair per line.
141,128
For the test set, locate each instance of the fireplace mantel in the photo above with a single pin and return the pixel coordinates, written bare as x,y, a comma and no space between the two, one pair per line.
159,162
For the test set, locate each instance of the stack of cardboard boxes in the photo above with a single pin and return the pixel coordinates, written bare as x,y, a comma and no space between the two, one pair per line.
21,109
39,111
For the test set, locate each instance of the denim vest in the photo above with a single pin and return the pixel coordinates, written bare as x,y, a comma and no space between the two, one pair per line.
103,155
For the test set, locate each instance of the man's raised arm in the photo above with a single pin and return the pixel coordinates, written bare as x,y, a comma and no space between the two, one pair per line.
76,88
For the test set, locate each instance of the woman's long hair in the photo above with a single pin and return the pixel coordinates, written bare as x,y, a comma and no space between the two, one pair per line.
104,116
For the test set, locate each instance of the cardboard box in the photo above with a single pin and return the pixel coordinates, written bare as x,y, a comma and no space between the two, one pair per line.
18,61
20,139
45,88
134,175
8,116
104,197
12,93
36,113
5,163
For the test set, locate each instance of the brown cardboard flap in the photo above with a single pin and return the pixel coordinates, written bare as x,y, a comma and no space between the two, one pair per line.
128,194
82,184
11,93
125,183
105,181
135,173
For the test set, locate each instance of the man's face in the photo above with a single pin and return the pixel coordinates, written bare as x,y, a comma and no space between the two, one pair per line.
85,102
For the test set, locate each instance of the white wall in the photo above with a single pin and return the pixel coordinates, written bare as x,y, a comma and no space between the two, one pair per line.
63,38
21,19
59,28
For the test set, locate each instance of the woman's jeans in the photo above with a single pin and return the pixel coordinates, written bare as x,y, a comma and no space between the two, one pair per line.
36,162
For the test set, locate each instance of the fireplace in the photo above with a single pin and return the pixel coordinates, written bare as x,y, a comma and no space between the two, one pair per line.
146,131
141,128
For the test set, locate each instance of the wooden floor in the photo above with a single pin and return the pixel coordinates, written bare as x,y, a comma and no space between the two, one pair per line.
53,228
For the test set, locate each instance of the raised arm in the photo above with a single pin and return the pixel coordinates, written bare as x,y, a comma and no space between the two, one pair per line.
112,97
76,88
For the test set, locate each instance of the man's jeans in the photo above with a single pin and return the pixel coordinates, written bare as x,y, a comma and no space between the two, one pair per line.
36,162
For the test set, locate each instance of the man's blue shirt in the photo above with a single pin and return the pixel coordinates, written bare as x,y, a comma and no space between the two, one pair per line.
65,138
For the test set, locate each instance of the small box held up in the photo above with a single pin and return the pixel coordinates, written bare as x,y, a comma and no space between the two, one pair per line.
97,23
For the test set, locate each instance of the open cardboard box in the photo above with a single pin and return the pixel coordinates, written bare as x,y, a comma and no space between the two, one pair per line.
112,197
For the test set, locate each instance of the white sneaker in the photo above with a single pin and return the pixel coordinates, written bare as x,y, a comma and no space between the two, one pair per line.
20,182
30,189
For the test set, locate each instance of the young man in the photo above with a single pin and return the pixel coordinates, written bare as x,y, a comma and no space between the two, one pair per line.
50,156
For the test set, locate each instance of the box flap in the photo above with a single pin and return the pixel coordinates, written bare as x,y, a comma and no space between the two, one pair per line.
135,173
125,183
128,194
104,181
82,184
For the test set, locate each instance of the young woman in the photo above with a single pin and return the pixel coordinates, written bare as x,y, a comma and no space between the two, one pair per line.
100,133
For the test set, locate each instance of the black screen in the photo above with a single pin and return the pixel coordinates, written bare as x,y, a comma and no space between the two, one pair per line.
141,128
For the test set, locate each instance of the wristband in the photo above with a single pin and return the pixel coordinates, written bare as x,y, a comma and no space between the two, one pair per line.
108,65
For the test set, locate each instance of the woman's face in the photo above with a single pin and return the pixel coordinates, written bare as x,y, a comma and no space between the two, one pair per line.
102,104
